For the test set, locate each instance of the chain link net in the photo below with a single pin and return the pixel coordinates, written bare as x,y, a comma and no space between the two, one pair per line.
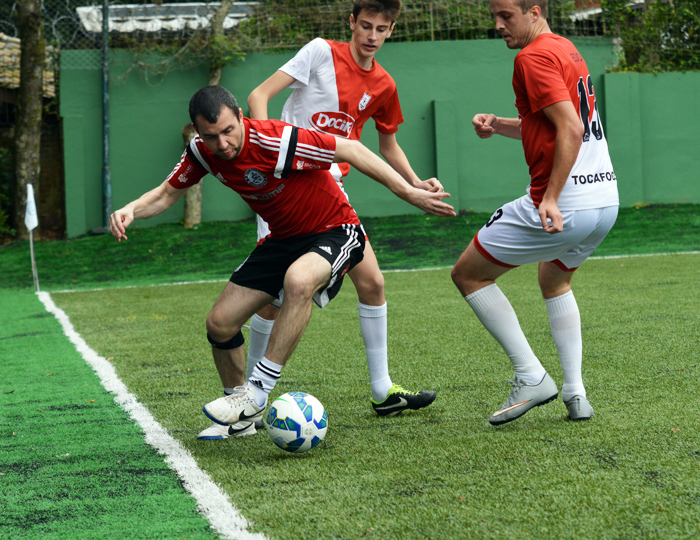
259,26
654,32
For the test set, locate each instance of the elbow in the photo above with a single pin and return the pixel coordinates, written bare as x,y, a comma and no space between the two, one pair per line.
577,133
251,99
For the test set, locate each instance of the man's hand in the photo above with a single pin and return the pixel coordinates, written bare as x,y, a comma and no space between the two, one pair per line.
485,125
552,221
431,202
432,185
119,221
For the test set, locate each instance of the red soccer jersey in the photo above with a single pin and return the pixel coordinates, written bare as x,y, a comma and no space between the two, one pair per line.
548,71
281,172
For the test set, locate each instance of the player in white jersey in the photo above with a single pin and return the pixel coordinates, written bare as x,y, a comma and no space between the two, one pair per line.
337,88
570,206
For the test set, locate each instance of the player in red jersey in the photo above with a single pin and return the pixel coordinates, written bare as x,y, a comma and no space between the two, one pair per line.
337,88
281,171
570,206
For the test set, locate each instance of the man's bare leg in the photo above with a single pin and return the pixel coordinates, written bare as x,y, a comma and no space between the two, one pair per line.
303,279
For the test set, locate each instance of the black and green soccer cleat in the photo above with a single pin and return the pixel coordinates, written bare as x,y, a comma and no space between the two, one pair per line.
398,400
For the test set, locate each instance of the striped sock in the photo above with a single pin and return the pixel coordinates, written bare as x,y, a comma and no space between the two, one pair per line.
263,379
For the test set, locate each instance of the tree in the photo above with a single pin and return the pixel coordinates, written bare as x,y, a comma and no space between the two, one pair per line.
220,56
29,107
665,36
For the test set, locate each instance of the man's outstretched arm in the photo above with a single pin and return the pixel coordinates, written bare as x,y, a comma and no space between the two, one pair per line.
149,204
396,157
369,164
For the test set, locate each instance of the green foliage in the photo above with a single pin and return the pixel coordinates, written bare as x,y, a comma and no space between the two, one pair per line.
287,24
664,37
224,51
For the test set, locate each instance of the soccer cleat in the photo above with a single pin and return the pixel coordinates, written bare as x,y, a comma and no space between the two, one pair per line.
579,408
524,397
398,400
237,407
216,432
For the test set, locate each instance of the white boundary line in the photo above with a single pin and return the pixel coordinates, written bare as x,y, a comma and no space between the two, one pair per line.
602,257
212,503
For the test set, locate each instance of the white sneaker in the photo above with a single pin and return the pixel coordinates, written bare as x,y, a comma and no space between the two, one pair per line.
524,397
238,407
216,432
579,408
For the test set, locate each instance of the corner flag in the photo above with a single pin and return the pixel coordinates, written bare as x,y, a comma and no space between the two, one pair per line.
32,221
30,218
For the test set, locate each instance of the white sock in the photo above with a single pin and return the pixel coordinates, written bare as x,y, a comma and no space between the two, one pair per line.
263,379
373,326
496,314
565,323
260,330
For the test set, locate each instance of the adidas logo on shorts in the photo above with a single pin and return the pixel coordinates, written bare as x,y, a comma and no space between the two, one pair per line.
326,249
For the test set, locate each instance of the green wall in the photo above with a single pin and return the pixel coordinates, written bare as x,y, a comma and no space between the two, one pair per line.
441,86
654,133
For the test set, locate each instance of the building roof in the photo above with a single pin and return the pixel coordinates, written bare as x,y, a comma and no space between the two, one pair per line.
129,18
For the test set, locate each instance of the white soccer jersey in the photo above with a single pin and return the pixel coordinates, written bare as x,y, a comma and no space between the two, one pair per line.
334,95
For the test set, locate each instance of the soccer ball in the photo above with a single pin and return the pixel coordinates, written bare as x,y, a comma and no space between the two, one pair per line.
296,422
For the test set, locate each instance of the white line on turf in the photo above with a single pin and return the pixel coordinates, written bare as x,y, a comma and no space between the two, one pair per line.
213,504
602,257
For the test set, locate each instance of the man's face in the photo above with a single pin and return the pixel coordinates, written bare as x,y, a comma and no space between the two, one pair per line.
516,27
224,138
369,32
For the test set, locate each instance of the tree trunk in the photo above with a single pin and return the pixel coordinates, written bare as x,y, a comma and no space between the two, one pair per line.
29,108
217,31
193,196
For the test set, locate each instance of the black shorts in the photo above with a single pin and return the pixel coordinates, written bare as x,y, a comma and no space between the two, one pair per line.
266,266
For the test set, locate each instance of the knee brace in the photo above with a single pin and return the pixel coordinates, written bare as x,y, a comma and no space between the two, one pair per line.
233,343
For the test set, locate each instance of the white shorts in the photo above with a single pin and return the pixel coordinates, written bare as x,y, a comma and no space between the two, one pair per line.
514,236
264,230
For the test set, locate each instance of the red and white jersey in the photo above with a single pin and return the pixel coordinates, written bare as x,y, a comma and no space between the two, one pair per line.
548,71
334,95
281,172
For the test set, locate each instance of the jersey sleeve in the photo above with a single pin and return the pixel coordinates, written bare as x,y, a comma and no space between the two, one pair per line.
389,115
306,61
304,149
543,80
188,172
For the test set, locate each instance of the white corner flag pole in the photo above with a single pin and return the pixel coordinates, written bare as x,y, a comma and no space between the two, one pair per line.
32,221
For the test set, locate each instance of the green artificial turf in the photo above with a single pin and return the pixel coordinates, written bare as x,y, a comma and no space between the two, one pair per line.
444,472
171,253
73,465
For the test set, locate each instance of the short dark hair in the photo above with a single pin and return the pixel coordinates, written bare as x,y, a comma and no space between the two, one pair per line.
208,101
527,5
389,8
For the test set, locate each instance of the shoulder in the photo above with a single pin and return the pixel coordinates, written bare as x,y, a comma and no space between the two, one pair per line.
545,47
317,45
384,74
264,128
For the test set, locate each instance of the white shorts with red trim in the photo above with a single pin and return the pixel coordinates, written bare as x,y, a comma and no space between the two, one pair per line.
514,236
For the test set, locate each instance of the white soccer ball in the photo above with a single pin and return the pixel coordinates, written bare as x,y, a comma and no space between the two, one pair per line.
296,422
